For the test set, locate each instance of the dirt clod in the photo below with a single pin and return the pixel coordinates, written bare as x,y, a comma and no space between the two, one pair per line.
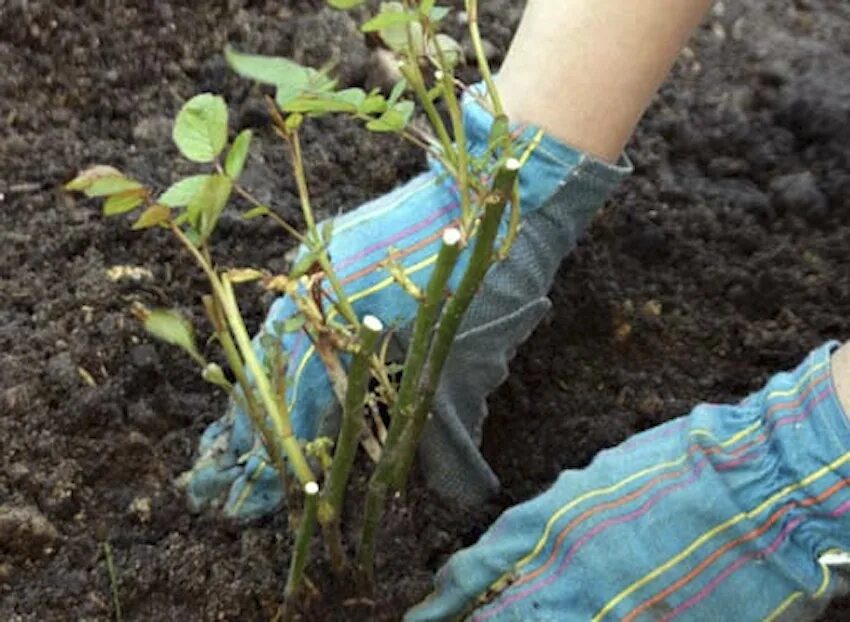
26,532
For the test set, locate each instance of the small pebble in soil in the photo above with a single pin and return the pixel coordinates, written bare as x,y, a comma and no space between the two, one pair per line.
25,531
153,131
62,372
799,194
140,508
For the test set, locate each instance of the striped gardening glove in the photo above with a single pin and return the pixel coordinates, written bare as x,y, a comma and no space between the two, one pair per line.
731,513
560,190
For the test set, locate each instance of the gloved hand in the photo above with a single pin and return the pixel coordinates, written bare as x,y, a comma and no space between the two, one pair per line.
560,190
731,513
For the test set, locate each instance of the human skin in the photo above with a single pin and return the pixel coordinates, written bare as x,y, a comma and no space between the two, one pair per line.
586,70
841,376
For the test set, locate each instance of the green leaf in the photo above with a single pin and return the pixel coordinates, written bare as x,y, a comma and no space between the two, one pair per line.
348,100
373,104
499,133
278,71
206,206
154,215
394,119
290,325
398,90
123,202
293,122
200,130
438,13
387,19
304,263
170,326
260,210
395,35
113,184
451,49
345,4
327,231
214,375
182,192
84,180
425,6
238,154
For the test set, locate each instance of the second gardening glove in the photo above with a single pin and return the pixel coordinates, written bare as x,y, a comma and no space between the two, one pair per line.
735,512
560,190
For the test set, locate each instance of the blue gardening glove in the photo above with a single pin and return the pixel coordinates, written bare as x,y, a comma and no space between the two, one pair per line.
560,190
731,513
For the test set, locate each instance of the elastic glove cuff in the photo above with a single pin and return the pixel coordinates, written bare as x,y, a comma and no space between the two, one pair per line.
551,161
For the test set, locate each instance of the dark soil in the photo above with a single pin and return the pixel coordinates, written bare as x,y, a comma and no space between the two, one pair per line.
722,260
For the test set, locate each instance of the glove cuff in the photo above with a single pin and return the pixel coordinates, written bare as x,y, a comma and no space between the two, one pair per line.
551,162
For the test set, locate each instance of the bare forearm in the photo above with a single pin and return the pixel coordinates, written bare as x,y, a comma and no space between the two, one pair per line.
585,70
841,375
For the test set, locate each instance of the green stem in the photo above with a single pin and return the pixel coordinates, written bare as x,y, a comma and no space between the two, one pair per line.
455,114
349,434
480,261
313,236
481,57
301,549
417,83
423,328
280,418
223,293
113,580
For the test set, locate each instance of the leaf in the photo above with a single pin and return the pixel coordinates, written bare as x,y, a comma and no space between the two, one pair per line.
345,4
155,215
290,325
278,71
304,263
87,177
347,100
499,133
452,50
398,90
388,18
425,6
214,375
373,104
274,70
172,327
182,192
238,154
256,212
438,13
123,202
394,119
293,122
395,35
200,130
206,206
112,184
244,275
327,231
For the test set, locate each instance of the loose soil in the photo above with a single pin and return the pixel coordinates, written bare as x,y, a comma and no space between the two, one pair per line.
723,259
